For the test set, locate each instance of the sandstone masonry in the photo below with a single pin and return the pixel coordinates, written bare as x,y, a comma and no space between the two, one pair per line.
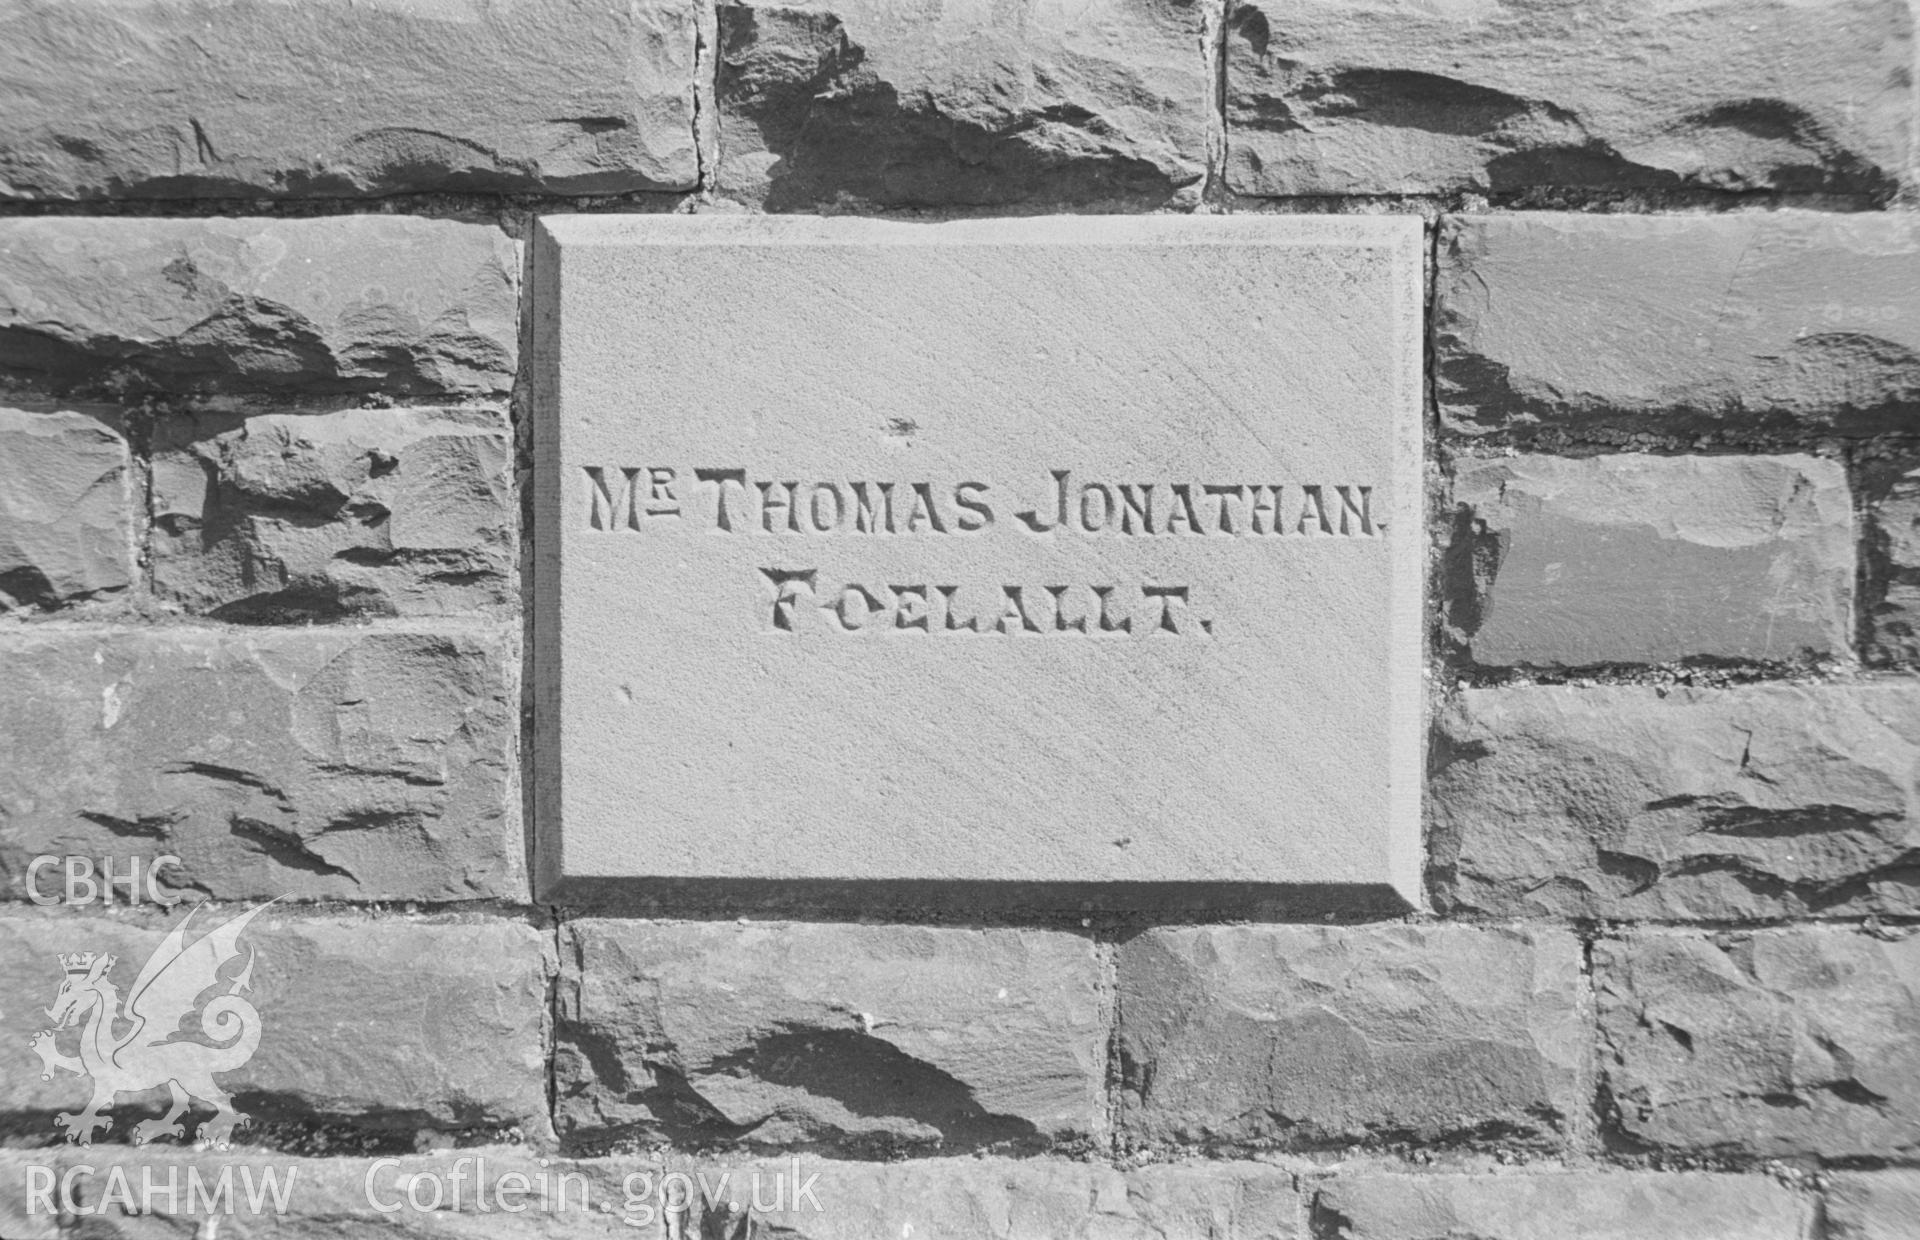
267,346
334,99
1334,97
1648,559
789,1034
860,101
1752,803
283,762
1552,326
1302,1037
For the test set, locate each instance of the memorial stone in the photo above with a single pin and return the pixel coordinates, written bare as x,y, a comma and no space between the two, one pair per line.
1079,555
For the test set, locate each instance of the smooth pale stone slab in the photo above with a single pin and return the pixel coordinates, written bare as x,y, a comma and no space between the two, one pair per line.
723,692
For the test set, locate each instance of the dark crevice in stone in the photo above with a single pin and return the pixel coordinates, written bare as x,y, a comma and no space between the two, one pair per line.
285,847
1410,99
1695,672
872,1077
278,1123
1324,1222
1251,24
1854,1093
1469,564
1589,165
300,603
1755,822
684,1115
232,775
1637,873
1484,386
26,586
145,826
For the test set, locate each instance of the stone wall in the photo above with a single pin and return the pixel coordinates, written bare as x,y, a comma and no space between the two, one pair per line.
262,486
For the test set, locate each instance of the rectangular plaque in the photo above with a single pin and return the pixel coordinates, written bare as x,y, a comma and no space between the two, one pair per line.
1070,551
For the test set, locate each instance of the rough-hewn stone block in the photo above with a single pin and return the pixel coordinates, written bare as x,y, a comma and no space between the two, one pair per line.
1772,1044
291,517
1595,324
1892,604
1873,1205
356,303
331,97
305,763
380,1023
828,100
1344,97
1646,559
831,1034
1307,1035
66,510
1752,802
1590,1205
1028,1199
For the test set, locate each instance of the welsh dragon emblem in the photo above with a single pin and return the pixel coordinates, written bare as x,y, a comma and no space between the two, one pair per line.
154,1049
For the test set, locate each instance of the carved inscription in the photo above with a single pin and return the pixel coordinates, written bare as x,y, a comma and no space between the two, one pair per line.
729,501
854,607
733,501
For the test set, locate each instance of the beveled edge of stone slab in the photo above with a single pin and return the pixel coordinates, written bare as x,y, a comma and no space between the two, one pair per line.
907,899
1401,892
1374,231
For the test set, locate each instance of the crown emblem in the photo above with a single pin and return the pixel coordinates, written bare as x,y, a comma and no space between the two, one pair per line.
79,962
